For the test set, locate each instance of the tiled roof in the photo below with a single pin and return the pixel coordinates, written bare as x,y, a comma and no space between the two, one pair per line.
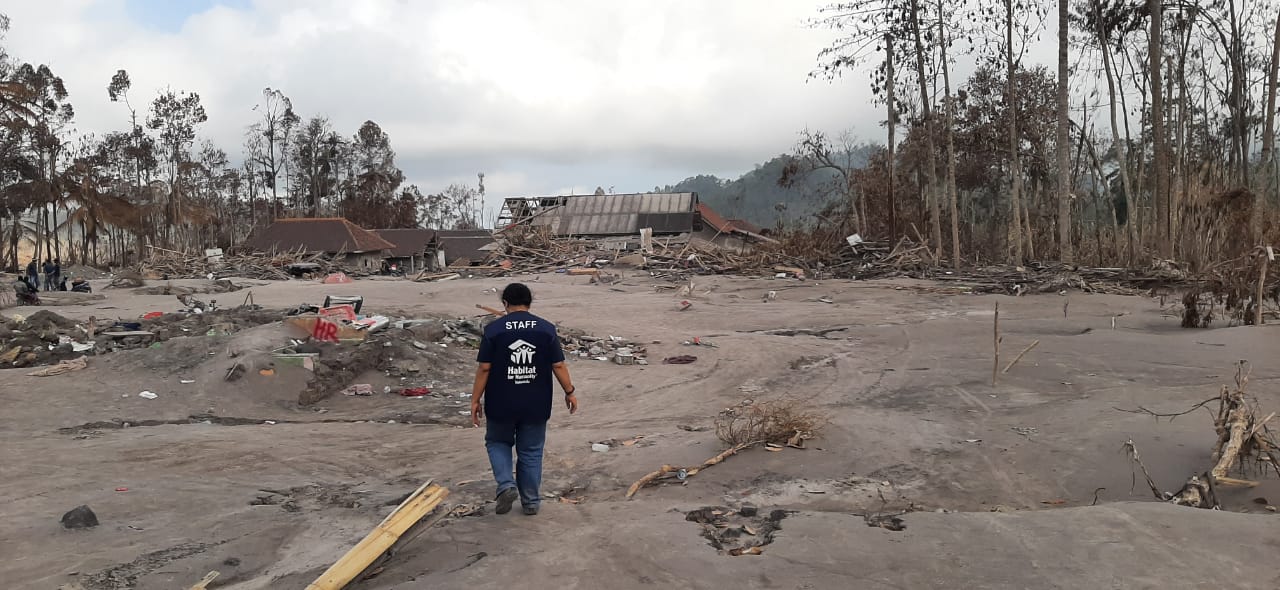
408,242
713,219
331,234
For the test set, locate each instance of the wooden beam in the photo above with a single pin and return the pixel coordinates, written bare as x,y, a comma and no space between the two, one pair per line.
381,538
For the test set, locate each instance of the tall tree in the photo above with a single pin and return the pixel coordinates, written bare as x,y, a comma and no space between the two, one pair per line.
930,164
311,164
276,128
1155,50
952,194
175,116
1063,140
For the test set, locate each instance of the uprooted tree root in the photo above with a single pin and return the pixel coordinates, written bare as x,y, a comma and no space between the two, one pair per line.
783,421
1244,441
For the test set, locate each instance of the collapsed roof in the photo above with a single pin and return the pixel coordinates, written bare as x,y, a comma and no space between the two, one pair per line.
604,215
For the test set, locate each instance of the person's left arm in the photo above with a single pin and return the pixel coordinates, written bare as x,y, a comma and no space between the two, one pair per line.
561,371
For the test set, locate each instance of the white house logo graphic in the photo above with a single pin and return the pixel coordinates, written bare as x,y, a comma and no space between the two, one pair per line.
522,352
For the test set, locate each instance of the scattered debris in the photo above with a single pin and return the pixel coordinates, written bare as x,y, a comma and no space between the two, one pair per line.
736,533
60,368
683,359
147,395
360,389
892,522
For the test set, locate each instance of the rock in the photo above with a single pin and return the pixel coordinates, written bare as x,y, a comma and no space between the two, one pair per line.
748,510
80,517
428,331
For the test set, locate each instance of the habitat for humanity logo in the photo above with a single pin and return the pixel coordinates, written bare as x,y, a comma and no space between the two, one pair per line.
522,370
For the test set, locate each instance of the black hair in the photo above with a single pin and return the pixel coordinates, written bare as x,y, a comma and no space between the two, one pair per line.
517,295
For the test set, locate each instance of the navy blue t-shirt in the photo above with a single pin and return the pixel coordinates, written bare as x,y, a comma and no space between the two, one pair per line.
520,347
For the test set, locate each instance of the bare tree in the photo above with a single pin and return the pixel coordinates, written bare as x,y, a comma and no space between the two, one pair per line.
1065,252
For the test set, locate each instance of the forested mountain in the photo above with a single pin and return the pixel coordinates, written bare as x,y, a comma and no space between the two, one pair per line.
757,195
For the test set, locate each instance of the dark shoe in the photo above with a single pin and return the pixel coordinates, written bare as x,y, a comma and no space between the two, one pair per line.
506,498
530,510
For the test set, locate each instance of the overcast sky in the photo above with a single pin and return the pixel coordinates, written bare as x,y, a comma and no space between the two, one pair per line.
542,96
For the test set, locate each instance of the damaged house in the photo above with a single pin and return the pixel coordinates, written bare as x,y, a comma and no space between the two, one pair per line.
617,220
417,250
346,242
413,251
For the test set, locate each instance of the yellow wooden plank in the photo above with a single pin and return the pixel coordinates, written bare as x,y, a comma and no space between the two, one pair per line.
381,538
204,583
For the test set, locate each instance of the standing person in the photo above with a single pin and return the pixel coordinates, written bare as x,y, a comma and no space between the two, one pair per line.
48,274
518,355
57,275
33,275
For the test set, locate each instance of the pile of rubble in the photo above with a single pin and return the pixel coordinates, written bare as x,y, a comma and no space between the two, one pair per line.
46,338
171,264
613,348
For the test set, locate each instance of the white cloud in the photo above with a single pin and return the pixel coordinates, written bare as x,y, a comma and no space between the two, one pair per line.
539,95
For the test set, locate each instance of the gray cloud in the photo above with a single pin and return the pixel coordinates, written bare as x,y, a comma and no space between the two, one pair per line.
540,96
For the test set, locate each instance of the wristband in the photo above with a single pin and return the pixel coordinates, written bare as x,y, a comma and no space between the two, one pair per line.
570,392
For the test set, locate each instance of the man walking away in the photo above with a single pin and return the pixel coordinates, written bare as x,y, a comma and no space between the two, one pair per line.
48,274
518,355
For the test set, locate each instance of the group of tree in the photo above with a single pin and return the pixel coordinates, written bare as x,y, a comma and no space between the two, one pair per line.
100,199
758,196
1154,137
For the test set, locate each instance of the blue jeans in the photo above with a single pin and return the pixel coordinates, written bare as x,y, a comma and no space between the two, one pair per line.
528,439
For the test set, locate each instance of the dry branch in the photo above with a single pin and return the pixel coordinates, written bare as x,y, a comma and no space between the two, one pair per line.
1019,357
669,471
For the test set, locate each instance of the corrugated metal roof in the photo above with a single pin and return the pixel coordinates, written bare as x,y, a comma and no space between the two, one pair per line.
581,215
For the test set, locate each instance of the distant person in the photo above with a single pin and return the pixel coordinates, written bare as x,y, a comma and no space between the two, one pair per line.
33,274
62,282
48,274
518,355
57,274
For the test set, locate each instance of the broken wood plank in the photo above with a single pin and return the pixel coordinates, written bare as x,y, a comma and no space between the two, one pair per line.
381,538
208,578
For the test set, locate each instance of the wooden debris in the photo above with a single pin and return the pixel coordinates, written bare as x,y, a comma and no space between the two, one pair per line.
208,579
1019,357
171,264
62,367
995,330
383,537
1241,435
670,471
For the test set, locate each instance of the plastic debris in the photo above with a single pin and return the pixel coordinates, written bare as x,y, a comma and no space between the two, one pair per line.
147,395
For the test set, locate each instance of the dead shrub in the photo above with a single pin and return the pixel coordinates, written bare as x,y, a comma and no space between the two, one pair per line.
780,421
